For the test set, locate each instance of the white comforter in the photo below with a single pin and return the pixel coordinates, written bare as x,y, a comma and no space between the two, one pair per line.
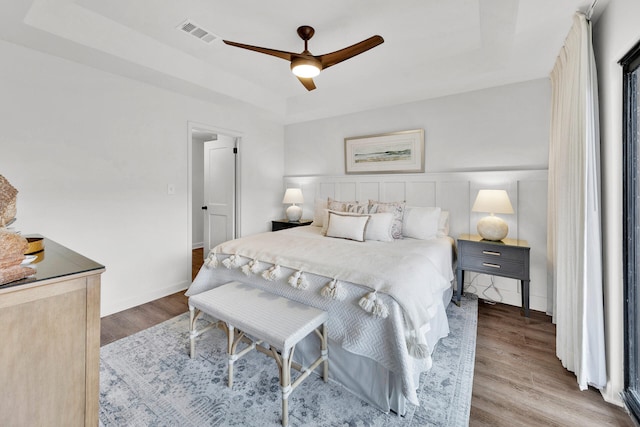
408,275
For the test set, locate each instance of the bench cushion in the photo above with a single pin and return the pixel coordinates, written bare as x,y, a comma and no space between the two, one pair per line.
278,321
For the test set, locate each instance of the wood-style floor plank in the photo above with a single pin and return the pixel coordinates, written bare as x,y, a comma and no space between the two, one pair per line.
518,380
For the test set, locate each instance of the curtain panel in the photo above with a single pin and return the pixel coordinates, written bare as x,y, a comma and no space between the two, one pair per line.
574,237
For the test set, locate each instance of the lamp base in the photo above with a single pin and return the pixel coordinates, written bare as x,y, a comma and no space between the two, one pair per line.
492,228
294,213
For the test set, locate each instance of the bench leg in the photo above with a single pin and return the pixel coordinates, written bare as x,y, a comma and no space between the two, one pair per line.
325,354
192,332
230,347
285,385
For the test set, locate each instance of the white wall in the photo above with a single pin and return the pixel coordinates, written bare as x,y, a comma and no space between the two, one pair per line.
615,32
499,129
91,154
502,128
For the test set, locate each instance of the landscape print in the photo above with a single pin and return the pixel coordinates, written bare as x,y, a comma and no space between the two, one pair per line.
383,153
396,152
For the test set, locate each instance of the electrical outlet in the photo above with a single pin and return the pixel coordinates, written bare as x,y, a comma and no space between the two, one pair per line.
171,189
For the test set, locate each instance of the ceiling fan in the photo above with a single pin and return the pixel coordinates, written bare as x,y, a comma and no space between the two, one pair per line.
305,65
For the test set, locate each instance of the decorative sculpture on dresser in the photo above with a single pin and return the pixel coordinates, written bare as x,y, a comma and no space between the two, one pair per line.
12,245
8,197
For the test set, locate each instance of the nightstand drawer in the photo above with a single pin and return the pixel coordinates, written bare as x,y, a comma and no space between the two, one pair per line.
498,267
489,251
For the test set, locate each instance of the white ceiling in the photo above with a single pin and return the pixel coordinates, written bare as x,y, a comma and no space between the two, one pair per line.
432,47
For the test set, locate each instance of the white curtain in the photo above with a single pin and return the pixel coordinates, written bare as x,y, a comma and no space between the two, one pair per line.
574,240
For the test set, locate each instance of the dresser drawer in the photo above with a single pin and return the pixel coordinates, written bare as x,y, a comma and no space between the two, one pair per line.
497,267
490,251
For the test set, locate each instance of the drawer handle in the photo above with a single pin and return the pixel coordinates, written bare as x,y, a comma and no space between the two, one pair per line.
488,264
491,253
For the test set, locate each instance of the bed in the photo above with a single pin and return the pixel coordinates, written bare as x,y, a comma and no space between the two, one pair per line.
386,295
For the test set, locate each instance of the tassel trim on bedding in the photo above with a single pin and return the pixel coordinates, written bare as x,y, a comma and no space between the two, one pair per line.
298,281
211,261
272,273
417,346
232,262
252,267
333,290
374,305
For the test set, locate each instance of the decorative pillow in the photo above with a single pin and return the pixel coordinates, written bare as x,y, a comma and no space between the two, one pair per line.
351,227
443,224
421,223
396,208
379,227
319,206
338,206
358,208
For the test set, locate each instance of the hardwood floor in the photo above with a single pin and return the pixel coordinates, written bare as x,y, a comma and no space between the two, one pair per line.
518,379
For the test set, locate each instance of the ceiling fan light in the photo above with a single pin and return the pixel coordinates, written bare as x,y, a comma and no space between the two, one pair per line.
305,68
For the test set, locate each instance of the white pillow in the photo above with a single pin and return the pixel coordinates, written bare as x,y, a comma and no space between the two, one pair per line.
443,224
421,223
349,227
396,208
379,227
319,207
325,220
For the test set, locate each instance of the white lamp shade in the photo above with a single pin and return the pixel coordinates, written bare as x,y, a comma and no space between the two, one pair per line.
492,201
293,195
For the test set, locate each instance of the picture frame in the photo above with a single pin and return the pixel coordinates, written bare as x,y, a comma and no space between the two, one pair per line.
394,152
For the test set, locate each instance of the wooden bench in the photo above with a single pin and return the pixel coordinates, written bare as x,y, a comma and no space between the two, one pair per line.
254,316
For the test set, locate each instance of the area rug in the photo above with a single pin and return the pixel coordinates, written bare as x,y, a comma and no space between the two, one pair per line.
148,379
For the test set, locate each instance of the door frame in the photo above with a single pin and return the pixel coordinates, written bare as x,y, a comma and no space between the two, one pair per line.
218,130
630,152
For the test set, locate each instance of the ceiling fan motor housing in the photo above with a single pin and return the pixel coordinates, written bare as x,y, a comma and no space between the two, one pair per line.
305,67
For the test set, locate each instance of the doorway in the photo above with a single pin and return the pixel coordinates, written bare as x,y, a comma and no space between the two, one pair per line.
213,181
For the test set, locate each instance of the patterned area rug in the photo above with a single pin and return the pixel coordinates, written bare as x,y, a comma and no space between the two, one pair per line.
148,379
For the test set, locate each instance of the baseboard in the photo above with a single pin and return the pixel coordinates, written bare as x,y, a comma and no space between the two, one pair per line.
197,245
124,304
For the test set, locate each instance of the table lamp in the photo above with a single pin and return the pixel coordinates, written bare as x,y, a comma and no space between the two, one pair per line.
293,196
492,227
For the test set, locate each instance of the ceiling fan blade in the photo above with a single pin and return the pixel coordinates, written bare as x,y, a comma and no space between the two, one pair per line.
307,82
273,52
338,56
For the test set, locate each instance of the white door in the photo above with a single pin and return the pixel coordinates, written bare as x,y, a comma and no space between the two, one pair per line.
219,191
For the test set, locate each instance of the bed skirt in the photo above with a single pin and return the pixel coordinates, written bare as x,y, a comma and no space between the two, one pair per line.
366,378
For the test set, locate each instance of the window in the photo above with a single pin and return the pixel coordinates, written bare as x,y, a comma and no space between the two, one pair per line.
631,228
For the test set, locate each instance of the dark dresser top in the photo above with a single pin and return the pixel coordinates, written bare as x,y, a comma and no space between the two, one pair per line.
55,261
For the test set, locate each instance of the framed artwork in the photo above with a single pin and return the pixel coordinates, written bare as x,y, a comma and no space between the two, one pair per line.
395,152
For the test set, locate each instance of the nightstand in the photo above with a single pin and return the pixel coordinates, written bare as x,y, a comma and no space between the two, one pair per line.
505,258
281,224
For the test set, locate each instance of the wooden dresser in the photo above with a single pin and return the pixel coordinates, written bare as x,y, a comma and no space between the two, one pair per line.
50,342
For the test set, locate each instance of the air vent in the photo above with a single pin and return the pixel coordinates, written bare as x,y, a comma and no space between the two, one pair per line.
197,31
